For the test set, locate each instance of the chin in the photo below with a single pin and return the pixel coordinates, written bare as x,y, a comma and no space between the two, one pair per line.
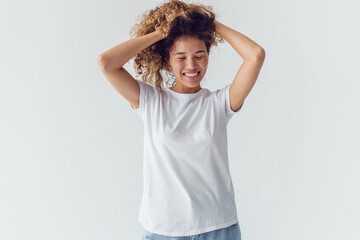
194,83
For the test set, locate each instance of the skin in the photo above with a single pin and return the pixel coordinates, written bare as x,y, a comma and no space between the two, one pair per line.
188,55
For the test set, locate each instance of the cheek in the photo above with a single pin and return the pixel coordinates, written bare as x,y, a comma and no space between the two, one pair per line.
204,64
178,67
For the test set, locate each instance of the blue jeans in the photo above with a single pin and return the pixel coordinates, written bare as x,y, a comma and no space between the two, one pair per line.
229,233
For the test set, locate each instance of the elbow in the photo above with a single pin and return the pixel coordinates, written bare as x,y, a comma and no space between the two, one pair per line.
101,61
105,63
260,55
257,55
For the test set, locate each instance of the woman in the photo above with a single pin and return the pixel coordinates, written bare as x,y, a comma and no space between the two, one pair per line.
188,191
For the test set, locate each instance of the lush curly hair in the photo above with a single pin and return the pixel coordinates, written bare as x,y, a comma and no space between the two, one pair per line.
173,18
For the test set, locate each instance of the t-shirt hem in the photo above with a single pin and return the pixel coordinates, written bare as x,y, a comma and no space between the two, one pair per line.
203,230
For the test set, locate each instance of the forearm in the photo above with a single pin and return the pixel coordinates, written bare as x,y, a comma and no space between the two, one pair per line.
117,56
243,45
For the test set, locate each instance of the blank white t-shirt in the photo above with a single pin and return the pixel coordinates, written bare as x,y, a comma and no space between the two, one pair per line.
187,187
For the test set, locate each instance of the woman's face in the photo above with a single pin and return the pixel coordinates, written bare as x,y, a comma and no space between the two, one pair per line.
188,56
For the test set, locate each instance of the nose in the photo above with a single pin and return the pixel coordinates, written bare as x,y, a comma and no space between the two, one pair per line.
190,64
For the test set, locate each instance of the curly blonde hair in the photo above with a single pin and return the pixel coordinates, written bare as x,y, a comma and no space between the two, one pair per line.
174,18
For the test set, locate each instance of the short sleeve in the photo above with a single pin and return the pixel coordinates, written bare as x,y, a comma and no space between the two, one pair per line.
224,97
147,92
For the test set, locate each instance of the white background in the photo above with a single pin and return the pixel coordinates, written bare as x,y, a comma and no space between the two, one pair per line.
71,147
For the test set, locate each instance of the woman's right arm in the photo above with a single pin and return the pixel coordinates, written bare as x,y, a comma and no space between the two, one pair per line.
117,56
112,61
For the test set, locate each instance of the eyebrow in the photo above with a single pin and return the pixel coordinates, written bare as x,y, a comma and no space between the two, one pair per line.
184,53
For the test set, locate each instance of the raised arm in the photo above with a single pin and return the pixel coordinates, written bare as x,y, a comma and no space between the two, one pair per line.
112,61
116,57
253,56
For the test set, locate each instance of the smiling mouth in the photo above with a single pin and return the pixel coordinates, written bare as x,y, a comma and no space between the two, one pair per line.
192,73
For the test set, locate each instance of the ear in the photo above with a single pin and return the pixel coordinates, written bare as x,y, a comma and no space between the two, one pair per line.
167,65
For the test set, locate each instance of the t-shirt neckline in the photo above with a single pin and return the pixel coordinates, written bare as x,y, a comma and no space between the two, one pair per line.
183,94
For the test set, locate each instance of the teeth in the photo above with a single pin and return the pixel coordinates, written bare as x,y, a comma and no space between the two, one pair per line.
191,75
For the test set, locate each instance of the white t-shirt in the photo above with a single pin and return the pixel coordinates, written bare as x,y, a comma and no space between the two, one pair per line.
187,187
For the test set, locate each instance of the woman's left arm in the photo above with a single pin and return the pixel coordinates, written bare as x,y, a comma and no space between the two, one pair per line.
253,55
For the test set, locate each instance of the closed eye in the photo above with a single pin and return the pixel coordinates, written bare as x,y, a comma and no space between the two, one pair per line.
195,57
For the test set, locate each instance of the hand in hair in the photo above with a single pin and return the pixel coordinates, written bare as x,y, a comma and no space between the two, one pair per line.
161,31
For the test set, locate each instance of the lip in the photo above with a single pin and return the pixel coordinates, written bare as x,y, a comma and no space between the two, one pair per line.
191,72
193,78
